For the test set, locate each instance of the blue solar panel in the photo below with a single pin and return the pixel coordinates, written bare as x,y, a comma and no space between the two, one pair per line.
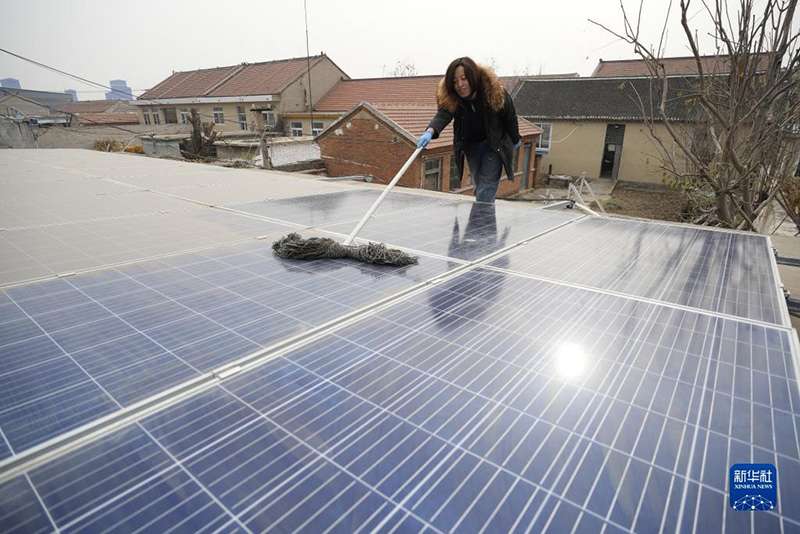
27,424
82,347
5,450
125,481
465,230
489,402
723,272
20,509
331,208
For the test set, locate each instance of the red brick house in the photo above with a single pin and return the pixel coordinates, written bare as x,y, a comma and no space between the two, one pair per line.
407,90
377,141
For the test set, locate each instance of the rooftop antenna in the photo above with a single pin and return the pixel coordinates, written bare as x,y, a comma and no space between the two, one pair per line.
308,69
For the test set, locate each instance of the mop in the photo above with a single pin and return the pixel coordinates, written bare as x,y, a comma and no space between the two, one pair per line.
293,246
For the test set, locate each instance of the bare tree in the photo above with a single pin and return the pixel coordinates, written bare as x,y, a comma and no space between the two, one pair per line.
492,63
404,68
739,147
201,143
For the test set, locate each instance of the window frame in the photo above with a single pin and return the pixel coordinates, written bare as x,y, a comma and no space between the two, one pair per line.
221,118
454,173
156,116
184,116
540,141
146,115
316,131
294,128
242,114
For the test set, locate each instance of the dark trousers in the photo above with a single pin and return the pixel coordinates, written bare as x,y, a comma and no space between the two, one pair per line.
486,165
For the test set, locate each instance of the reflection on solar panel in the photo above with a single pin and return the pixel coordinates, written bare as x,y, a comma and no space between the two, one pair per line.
597,375
332,208
717,271
465,230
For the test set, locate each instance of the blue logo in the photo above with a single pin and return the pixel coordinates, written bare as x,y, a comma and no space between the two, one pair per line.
754,487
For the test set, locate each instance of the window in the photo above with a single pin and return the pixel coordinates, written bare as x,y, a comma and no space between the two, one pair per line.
242,117
269,118
544,140
156,117
219,116
170,116
297,129
184,115
146,115
316,128
432,174
455,180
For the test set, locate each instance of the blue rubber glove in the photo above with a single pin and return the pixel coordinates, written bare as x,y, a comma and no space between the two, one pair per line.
519,144
423,141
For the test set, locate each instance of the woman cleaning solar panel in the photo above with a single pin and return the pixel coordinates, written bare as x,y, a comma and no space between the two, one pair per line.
485,124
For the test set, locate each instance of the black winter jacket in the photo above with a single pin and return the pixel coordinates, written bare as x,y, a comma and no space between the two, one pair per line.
502,128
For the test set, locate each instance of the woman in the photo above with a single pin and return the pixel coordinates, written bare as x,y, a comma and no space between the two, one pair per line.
485,128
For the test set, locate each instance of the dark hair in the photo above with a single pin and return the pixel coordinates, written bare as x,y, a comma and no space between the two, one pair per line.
470,72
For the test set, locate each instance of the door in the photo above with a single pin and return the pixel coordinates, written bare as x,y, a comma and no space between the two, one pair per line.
526,163
612,151
431,174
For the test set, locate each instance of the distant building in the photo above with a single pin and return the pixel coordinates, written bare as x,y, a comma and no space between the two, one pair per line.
596,126
120,91
673,66
100,112
74,94
10,83
249,96
39,107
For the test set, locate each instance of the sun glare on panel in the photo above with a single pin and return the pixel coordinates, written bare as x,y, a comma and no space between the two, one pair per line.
570,360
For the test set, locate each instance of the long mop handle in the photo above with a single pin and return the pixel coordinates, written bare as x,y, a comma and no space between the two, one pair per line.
363,221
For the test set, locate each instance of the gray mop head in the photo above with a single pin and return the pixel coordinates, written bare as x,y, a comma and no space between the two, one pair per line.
295,247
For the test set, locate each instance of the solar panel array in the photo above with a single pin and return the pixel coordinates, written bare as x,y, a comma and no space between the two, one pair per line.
537,371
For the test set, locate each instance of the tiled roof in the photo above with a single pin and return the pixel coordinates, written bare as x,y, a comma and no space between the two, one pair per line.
96,119
595,98
413,90
267,78
87,106
414,119
672,66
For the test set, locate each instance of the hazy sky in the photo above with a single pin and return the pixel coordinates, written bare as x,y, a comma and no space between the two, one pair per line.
144,41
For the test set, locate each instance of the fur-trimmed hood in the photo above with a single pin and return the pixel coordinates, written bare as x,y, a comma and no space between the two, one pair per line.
492,89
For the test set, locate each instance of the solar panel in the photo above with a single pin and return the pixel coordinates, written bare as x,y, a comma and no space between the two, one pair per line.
602,377
39,252
78,348
332,208
488,402
53,211
730,273
465,230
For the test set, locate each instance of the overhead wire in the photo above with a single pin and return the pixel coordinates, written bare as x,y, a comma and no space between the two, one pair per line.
109,88
78,117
